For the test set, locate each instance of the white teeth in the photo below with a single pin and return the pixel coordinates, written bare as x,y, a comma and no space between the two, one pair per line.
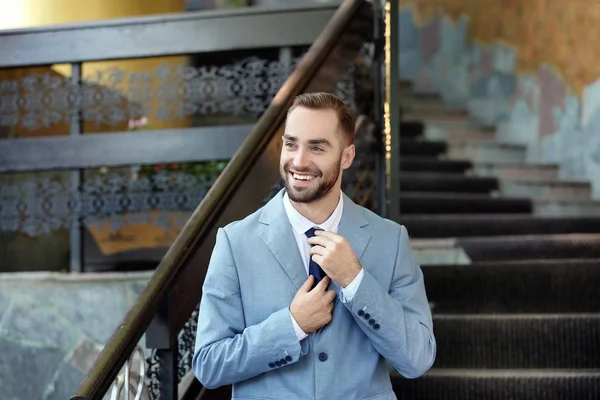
302,177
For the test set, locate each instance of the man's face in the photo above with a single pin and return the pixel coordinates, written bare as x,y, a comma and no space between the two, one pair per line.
313,154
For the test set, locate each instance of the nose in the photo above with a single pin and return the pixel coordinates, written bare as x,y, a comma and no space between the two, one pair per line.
301,158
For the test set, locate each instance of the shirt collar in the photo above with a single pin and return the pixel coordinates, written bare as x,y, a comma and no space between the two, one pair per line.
301,224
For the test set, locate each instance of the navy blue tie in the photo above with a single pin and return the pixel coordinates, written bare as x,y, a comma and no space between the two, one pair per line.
313,268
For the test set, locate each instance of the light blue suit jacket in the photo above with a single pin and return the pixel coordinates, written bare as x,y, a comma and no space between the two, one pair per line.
245,335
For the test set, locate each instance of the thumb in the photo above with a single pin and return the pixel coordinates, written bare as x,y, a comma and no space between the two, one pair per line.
307,285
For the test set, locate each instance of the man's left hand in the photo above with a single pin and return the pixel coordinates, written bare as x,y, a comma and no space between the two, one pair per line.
335,255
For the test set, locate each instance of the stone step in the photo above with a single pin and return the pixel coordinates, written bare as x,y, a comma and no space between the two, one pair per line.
445,182
579,208
445,131
460,203
485,151
409,147
432,114
459,135
511,171
411,129
517,340
405,86
553,197
450,121
461,384
515,247
446,251
472,150
433,164
460,225
519,171
527,286
546,189
423,107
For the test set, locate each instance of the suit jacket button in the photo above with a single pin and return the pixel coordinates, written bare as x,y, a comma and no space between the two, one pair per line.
371,321
361,313
288,358
283,362
278,363
271,365
323,357
376,326
367,316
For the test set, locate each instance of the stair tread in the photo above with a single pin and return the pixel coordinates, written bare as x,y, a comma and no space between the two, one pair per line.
445,175
505,340
496,217
490,224
516,165
411,116
460,241
506,373
540,182
484,143
533,286
508,164
461,196
516,316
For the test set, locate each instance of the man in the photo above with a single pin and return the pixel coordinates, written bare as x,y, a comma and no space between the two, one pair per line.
309,296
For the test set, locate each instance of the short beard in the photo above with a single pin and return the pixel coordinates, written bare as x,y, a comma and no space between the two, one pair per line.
329,179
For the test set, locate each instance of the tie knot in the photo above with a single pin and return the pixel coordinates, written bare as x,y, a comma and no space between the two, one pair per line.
311,232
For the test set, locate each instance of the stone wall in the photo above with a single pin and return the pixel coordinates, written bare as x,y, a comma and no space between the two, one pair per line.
52,327
525,65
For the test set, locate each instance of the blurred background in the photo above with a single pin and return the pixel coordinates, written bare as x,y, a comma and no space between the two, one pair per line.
479,130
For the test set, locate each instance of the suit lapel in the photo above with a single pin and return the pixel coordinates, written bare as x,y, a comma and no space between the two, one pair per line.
279,238
353,220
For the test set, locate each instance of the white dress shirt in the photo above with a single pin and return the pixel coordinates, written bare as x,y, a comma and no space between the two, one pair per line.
300,225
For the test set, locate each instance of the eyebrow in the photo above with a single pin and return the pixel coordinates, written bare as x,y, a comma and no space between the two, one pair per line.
312,141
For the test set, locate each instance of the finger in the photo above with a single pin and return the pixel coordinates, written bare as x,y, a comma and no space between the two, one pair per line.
330,295
331,236
307,284
322,286
318,258
321,251
328,234
320,241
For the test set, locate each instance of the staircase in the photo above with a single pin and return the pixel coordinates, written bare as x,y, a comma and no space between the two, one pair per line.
511,258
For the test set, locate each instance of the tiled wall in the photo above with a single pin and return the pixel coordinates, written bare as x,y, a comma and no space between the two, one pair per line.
529,66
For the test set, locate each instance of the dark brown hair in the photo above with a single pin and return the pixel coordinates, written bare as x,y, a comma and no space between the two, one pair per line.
328,101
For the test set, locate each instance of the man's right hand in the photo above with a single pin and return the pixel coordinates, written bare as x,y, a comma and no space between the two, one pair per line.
312,308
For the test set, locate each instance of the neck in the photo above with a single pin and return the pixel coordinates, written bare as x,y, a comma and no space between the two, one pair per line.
319,211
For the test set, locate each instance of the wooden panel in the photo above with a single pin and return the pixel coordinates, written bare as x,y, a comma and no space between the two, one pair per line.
122,148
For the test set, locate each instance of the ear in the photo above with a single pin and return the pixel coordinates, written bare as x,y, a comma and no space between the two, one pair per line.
348,156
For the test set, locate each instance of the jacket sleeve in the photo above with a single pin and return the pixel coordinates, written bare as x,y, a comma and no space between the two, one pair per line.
227,351
398,321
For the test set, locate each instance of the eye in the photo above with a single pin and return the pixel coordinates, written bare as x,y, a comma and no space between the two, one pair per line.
317,148
290,144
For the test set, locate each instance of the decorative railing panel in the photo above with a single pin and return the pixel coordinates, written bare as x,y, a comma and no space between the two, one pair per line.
168,92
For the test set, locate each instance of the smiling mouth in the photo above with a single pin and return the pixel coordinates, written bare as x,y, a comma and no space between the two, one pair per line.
302,177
